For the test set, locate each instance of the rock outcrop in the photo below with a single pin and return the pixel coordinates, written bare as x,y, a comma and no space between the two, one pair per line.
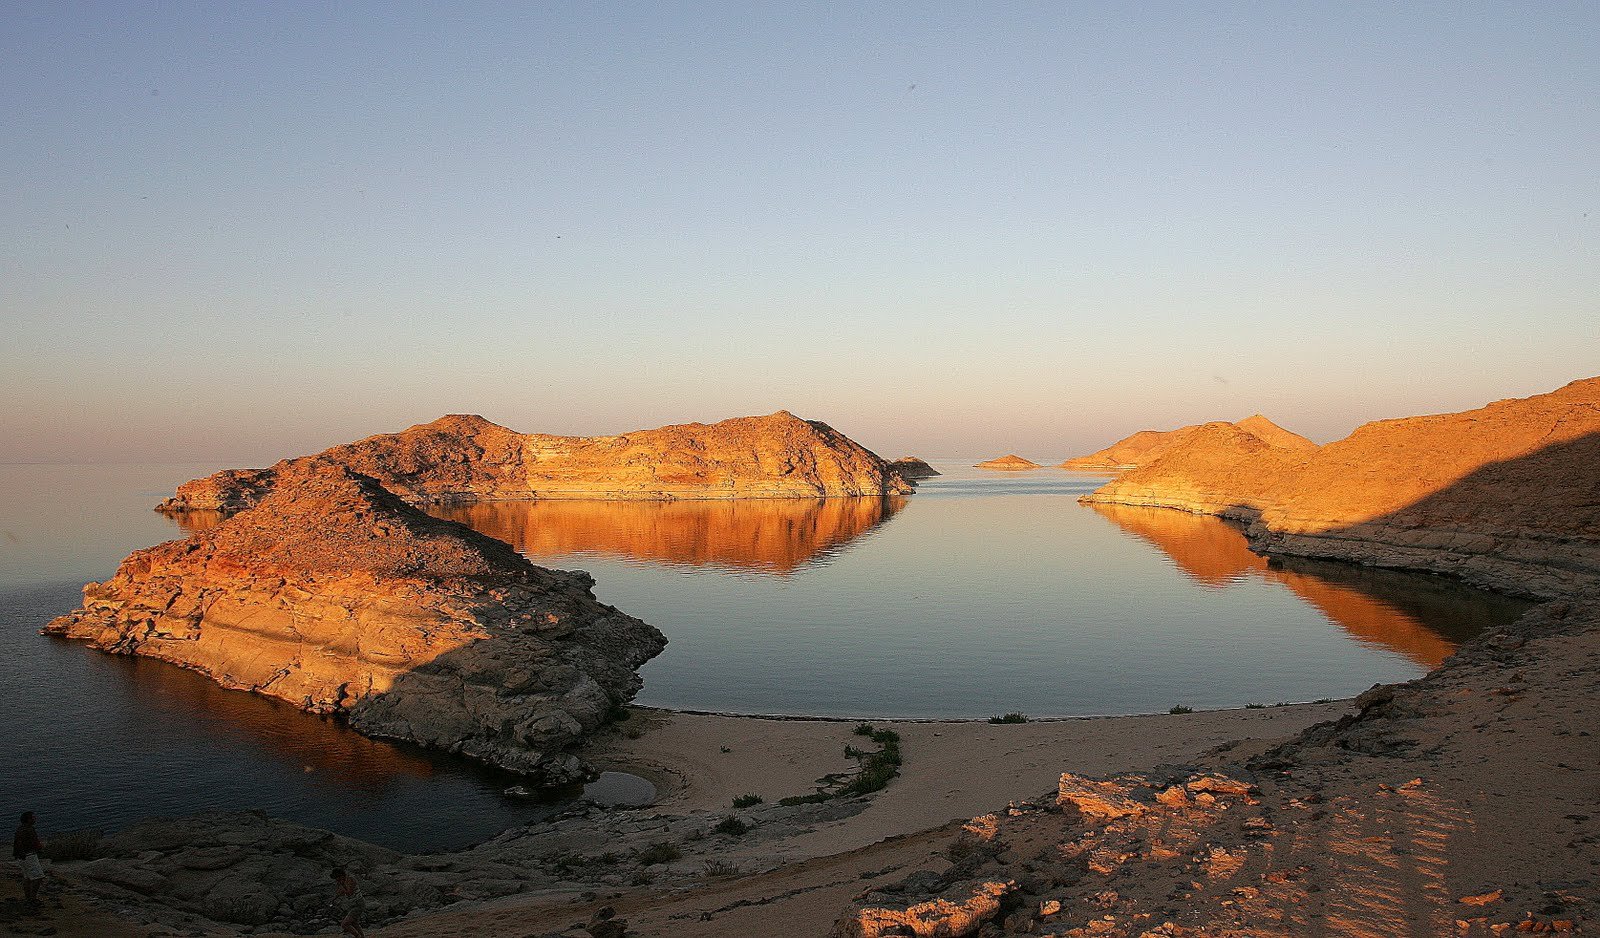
1010,463
335,595
913,467
465,458
1146,445
1506,496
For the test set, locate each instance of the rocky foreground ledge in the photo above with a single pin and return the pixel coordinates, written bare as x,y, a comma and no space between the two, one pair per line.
335,595
465,458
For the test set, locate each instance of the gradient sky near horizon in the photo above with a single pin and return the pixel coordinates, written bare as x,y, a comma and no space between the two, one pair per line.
237,232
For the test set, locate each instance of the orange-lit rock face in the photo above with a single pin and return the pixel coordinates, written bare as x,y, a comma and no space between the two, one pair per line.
467,458
777,534
1506,496
1147,445
338,597
1379,608
1013,462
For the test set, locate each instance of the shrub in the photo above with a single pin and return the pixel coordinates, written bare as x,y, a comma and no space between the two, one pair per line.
731,826
863,729
1180,708
1012,717
746,801
1255,706
721,868
660,852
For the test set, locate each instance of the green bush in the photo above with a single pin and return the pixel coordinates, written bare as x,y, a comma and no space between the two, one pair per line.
863,729
1012,717
746,801
1180,708
731,826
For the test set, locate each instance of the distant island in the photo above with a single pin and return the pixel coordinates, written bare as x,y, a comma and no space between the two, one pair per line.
1011,463
465,458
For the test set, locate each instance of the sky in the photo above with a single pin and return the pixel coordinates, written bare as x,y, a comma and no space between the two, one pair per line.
238,232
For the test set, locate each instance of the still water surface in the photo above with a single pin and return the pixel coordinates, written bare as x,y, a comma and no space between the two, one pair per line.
983,593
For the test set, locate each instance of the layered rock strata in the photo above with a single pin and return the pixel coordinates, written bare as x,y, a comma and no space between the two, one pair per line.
1011,463
465,458
1146,445
338,597
1506,496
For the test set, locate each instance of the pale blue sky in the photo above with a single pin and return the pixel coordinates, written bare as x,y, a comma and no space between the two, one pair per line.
239,233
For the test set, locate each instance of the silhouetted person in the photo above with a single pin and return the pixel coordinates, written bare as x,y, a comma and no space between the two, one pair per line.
25,848
349,904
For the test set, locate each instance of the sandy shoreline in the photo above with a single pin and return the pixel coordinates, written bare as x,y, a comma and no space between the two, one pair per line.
953,770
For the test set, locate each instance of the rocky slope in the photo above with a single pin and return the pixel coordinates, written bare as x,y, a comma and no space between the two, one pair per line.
1506,496
333,594
1012,462
462,458
912,467
1146,445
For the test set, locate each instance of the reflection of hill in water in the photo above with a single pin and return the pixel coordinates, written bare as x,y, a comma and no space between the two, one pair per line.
776,535
1421,617
312,744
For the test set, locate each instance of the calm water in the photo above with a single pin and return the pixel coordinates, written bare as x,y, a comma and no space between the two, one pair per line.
981,594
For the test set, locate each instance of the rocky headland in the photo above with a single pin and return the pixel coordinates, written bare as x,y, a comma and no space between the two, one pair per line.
335,595
465,458
1009,463
1506,496
913,467
1146,445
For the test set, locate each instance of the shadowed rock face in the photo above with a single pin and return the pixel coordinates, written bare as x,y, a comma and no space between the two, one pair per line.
912,467
1147,445
337,596
1012,462
1506,496
466,458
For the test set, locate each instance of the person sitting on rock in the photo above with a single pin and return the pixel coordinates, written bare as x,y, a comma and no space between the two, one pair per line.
25,849
348,904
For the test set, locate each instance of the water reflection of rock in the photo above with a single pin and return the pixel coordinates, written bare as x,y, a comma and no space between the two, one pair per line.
322,747
775,535
1421,617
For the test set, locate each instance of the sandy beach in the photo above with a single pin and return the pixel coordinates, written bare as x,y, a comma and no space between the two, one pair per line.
953,771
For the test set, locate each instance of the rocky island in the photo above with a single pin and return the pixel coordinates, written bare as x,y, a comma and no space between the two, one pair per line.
465,458
912,467
335,595
1133,451
1010,463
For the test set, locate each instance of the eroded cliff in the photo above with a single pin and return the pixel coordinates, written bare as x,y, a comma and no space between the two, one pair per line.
337,596
465,458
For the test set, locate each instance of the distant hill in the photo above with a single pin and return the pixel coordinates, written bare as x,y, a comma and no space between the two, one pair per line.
1012,462
1146,445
